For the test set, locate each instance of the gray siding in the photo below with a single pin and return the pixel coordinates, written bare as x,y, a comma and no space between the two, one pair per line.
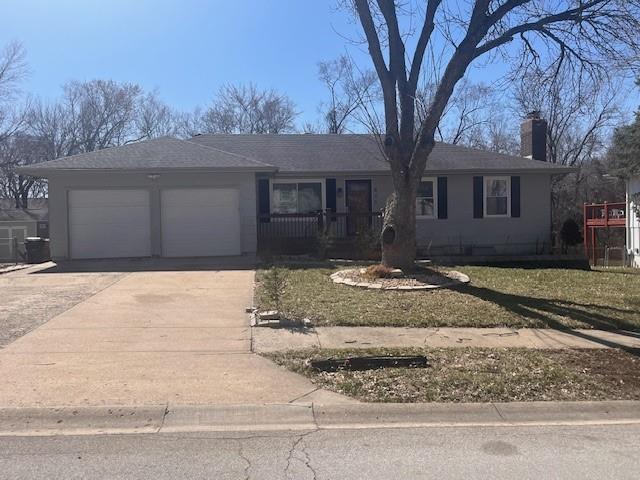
59,185
460,233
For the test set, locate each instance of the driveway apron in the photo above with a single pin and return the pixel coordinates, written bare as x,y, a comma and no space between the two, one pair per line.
155,337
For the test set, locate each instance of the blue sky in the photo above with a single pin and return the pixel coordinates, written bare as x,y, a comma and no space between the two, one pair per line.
184,48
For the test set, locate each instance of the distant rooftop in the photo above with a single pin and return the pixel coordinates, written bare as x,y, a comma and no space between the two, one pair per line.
38,210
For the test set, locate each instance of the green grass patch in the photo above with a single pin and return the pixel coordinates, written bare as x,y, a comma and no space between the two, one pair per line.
481,375
496,297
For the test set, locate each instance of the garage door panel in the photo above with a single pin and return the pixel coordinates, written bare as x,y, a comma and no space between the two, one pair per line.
200,222
106,198
123,215
109,223
199,197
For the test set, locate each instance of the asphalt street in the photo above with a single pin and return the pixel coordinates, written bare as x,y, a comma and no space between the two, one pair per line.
522,452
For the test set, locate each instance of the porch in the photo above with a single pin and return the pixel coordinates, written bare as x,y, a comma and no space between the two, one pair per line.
298,233
601,245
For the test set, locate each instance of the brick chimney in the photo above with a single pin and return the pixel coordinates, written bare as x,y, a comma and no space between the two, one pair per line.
533,137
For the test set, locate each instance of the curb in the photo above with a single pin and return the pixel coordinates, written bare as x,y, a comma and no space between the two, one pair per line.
308,417
80,420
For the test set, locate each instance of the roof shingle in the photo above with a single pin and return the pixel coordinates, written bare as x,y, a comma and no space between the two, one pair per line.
357,153
286,153
158,153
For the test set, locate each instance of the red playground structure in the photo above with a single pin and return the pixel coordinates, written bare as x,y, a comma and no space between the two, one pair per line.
598,216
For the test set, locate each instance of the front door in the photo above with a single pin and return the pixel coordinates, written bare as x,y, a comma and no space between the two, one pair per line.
358,201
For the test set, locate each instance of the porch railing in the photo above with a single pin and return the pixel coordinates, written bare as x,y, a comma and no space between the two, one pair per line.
605,214
311,225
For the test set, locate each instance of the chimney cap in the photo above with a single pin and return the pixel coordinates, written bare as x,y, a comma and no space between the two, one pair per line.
534,115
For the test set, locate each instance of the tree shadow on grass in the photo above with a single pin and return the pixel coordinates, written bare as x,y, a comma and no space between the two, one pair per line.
543,312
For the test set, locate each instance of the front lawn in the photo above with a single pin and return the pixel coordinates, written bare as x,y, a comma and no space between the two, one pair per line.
496,297
481,375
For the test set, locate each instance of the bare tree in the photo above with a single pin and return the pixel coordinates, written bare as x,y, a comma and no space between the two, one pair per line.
586,35
13,69
51,123
16,151
189,124
155,118
581,116
345,92
468,110
624,154
497,133
246,109
101,112
90,116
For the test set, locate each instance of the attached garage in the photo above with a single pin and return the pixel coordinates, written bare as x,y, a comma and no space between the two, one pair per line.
156,198
200,222
109,223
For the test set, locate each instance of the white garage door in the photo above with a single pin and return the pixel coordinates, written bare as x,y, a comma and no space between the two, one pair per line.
200,222
109,223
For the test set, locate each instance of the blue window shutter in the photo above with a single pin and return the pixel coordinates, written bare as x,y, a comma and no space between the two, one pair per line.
443,208
515,197
264,205
331,194
478,197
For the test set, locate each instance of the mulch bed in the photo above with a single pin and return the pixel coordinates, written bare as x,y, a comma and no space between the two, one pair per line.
419,278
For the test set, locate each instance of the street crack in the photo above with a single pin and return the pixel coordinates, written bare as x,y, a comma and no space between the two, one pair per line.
306,460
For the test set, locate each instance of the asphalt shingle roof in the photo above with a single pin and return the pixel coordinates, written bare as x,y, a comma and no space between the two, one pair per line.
38,211
356,152
158,153
284,152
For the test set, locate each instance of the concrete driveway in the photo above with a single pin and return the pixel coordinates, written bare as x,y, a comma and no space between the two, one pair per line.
152,337
28,300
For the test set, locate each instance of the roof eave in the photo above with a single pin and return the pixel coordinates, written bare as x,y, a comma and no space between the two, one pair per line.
500,170
45,172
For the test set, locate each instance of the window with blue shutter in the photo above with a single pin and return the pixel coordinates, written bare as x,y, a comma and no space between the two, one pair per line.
478,197
515,197
264,205
443,211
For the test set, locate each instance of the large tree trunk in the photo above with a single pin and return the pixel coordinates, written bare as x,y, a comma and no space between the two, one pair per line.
399,228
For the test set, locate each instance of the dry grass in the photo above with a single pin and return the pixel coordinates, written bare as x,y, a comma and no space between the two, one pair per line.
481,375
374,272
511,297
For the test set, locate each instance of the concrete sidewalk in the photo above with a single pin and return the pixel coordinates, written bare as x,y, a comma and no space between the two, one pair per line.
308,417
277,339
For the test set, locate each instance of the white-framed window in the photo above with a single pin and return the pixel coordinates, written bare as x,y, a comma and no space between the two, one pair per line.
297,196
427,198
497,196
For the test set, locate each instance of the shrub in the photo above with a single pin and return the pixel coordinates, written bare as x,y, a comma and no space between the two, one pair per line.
367,245
275,283
322,242
570,233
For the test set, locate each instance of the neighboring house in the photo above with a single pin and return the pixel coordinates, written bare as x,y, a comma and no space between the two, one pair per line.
16,224
633,221
222,194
